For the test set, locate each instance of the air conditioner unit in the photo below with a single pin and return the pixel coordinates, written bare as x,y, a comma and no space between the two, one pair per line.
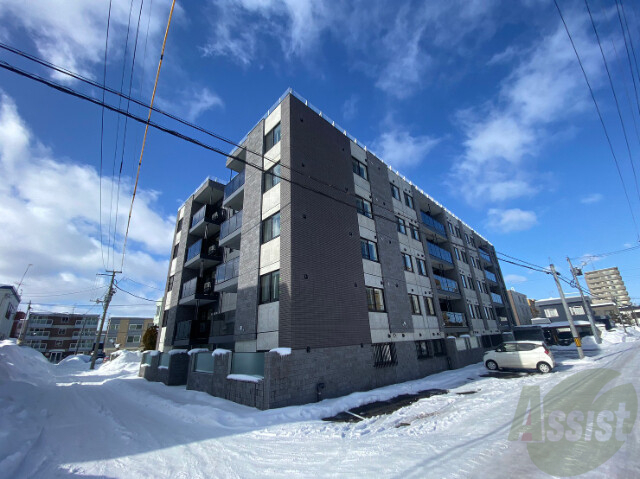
212,250
207,286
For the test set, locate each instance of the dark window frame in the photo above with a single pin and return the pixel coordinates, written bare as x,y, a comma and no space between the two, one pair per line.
273,289
375,304
362,210
272,137
407,267
395,192
415,233
359,168
421,267
414,299
402,225
430,309
267,232
369,248
272,177
408,201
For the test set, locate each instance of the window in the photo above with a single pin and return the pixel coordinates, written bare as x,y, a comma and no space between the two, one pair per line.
359,168
479,285
478,312
464,280
402,228
114,327
473,262
395,192
133,339
270,287
450,227
135,327
364,207
457,253
375,299
369,249
429,309
463,255
65,320
271,228
272,138
58,343
406,261
576,310
415,304
61,332
384,355
175,251
484,288
422,350
272,177
438,347
422,267
170,283
473,314
551,313
471,285
408,200
415,234
179,227
467,239
458,234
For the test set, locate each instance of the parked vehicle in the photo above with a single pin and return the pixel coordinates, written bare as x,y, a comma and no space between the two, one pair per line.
520,355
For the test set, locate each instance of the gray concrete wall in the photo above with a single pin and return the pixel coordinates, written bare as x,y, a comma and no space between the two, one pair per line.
460,359
150,372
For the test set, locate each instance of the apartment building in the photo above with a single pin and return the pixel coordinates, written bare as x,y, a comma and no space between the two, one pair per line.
125,333
317,248
520,307
58,335
9,301
606,285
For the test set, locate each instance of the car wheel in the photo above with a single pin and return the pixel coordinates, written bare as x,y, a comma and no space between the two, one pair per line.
491,365
544,368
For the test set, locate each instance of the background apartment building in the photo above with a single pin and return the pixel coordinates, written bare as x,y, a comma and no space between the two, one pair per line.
58,335
520,307
606,285
318,246
9,301
125,333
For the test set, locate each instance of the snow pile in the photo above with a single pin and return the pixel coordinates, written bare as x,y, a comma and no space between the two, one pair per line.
220,352
126,362
616,336
197,350
281,351
21,363
173,352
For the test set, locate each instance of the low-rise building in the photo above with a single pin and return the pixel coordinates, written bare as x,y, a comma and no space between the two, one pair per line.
125,333
58,335
520,307
9,301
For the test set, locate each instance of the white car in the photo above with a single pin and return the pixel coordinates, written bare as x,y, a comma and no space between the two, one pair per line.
520,355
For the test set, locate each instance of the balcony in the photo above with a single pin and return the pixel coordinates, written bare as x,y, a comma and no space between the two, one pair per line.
490,276
38,334
433,225
197,291
440,254
496,298
230,231
485,256
183,331
208,218
446,285
234,192
222,327
453,320
203,252
227,276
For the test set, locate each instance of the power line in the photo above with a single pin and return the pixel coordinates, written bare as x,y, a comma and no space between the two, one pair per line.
606,133
104,82
141,284
46,295
615,96
135,295
146,129
610,253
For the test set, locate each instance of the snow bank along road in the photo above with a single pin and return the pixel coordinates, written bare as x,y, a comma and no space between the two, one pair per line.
60,421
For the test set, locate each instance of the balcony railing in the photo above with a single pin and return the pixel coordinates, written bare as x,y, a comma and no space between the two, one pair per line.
440,253
496,298
453,319
194,286
38,334
484,256
231,225
209,212
433,224
446,284
490,276
183,330
199,216
227,271
234,184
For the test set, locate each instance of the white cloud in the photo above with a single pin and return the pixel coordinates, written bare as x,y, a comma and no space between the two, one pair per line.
350,108
192,102
502,135
511,220
72,33
49,213
391,42
398,148
514,279
592,198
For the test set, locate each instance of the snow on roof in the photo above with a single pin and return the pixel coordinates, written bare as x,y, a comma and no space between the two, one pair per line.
560,324
281,351
197,350
220,352
245,378
177,351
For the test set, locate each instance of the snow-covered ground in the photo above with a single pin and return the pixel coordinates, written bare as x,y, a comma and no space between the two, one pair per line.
58,421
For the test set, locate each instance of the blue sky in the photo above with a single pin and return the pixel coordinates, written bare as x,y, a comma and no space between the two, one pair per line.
482,104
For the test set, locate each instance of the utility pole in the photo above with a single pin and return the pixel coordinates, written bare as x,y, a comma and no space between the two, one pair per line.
567,311
25,326
107,299
577,272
